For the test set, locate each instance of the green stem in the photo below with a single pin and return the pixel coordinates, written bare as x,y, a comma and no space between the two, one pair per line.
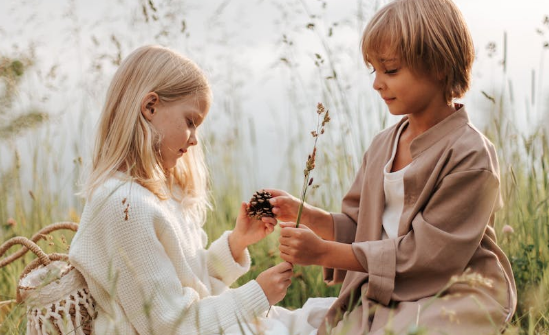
303,193
299,213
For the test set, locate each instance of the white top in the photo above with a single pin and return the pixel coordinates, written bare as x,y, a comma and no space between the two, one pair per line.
148,268
393,184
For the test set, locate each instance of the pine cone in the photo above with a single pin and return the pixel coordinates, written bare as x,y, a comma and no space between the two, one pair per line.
259,205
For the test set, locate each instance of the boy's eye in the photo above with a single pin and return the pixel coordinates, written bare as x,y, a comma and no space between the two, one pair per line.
391,71
373,71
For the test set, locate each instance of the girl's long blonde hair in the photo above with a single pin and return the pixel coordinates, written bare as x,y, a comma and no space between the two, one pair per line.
126,141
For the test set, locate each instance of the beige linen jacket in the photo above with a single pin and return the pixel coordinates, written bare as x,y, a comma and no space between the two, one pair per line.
451,191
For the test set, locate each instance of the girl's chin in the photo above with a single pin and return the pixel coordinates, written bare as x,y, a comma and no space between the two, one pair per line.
168,166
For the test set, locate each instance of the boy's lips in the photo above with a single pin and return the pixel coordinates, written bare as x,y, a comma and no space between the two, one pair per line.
388,100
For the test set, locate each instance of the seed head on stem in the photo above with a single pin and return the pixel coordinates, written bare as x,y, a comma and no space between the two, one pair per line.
324,115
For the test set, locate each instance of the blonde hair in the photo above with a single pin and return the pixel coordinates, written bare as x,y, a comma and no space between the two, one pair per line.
126,141
430,37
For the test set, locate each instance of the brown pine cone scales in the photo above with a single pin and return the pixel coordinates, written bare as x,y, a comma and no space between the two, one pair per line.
259,205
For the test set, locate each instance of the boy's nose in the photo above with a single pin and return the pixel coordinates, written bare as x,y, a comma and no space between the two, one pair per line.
377,85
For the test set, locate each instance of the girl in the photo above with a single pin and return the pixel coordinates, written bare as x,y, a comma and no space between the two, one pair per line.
418,219
140,245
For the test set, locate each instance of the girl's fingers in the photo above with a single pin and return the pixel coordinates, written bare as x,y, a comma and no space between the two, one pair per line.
287,266
242,211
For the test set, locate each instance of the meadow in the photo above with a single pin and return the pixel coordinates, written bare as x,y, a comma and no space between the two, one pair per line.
39,176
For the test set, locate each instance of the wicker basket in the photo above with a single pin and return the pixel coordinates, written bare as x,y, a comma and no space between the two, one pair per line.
56,295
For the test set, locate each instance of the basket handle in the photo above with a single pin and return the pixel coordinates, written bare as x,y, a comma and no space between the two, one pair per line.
30,245
35,238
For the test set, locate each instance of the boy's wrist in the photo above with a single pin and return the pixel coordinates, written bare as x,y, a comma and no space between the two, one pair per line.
321,222
326,248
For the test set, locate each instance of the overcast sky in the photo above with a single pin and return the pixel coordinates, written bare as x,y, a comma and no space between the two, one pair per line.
239,44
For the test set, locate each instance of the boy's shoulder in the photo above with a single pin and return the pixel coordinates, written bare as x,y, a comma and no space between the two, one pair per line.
475,149
462,145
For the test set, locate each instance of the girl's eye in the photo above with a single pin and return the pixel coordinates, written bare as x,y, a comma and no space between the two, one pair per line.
190,123
391,71
373,71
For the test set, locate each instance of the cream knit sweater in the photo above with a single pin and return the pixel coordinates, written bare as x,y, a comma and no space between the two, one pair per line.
146,265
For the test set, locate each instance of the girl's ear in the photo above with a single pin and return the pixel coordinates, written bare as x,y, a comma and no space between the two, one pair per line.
149,104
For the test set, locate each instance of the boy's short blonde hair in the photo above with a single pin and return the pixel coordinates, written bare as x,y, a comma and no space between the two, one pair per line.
429,36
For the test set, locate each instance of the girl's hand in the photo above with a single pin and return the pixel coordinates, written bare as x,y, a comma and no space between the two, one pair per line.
248,230
301,245
285,205
275,281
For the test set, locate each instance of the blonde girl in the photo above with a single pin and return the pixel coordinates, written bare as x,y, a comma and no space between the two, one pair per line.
140,245
414,244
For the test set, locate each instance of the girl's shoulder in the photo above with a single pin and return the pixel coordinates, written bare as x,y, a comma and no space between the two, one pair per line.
122,191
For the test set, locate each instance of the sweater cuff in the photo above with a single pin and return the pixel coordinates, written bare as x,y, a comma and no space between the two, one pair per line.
251,298
221,261
379,259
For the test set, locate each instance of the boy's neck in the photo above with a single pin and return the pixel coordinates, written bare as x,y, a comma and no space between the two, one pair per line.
420,123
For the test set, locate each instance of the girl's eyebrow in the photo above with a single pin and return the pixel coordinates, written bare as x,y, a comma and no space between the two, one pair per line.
196,117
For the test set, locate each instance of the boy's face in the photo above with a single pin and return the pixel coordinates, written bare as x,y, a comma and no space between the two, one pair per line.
404,91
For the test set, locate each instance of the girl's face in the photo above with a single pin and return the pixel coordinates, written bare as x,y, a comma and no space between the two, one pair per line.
176,122
405,92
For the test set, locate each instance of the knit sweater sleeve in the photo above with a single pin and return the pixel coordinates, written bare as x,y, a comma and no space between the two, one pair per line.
222,265
123,252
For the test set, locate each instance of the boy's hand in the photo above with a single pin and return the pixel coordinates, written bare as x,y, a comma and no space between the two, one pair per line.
275,281
285,205
301,245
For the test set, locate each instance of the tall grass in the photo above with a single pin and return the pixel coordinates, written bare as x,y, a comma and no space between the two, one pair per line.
327,72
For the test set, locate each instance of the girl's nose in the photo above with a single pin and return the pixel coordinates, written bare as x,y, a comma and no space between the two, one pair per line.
192,139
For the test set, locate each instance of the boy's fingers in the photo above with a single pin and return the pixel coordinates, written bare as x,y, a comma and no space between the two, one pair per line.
287,224
274,192
269,220
284,235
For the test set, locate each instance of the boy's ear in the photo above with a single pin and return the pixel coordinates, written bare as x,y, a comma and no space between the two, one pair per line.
149,104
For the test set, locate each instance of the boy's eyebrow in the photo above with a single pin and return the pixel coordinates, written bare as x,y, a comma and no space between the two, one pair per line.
383,60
